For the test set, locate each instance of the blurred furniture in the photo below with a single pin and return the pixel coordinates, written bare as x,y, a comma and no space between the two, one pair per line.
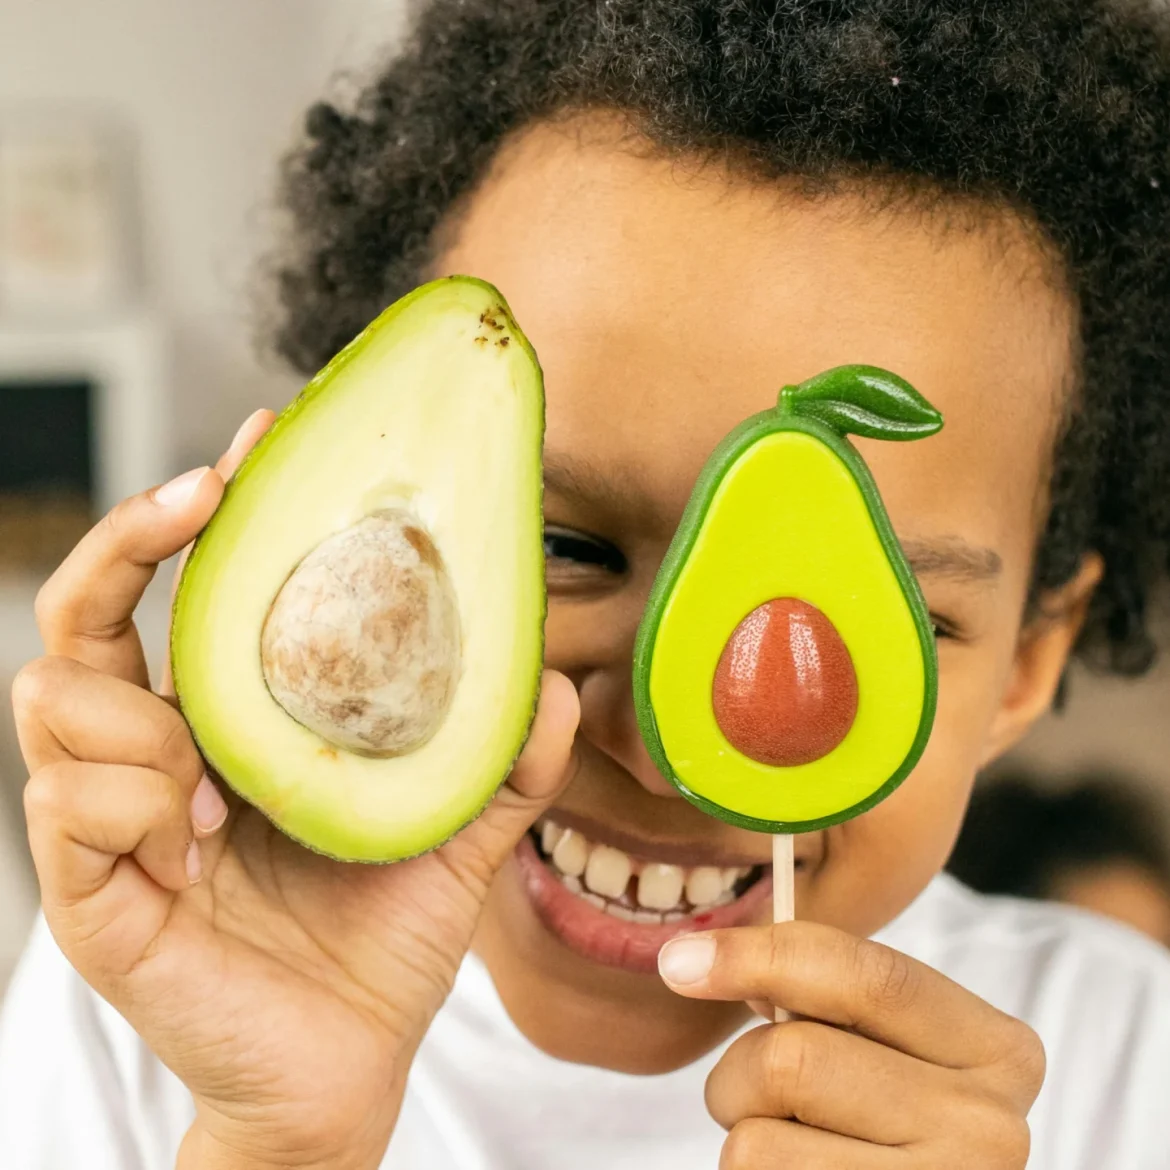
121,366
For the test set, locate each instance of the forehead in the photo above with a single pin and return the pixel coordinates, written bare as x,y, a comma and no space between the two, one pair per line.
668,302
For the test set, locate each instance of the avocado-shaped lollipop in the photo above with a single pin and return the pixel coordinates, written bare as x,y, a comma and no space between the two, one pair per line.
785,673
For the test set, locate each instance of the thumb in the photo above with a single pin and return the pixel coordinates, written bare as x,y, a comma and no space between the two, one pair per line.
538,777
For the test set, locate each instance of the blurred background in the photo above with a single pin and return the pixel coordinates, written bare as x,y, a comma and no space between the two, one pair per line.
138,146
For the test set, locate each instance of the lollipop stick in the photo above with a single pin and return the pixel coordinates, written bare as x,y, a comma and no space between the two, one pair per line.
783,890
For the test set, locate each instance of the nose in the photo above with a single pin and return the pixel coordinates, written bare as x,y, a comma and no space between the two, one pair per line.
609,724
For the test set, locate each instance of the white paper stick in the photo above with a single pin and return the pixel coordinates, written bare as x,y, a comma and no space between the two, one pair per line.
783,889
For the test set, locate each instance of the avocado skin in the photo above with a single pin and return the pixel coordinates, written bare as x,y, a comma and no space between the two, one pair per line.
725,455
193,564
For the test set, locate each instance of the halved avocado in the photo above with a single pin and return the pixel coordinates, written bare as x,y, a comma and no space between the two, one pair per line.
357,636
785,673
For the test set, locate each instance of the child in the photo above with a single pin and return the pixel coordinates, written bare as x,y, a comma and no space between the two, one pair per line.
687,203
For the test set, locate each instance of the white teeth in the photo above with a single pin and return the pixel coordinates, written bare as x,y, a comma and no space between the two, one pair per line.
608,871
660,886
550,834
600,875
571,853
704,884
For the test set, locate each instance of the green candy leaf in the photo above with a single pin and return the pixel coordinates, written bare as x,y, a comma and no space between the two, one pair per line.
845,418
863,400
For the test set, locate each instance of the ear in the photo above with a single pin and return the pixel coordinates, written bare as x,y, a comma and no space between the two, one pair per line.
1042,653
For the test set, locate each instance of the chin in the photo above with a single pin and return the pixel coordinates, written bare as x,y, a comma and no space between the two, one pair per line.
574,955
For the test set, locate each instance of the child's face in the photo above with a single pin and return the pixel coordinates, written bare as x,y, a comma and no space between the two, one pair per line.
668,303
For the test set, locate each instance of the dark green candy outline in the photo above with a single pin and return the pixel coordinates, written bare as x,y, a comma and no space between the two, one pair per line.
850,399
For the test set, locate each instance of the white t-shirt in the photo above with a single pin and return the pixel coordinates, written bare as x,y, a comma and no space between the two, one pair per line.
78,1088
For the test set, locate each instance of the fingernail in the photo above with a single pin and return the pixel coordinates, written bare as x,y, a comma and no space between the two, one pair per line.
244,428
194,862
208,810
685,961
180,490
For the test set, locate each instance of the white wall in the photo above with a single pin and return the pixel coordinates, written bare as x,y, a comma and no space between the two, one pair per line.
212,90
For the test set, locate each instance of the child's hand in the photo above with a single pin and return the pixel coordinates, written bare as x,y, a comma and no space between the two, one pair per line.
287,991
892,1066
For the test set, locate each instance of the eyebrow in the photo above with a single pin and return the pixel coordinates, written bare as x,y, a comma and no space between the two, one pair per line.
950,557
582,481
954,558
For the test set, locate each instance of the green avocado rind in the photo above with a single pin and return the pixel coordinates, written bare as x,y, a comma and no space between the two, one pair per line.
855,399
312,390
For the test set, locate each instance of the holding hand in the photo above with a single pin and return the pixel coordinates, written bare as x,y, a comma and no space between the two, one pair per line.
893,1065
287,991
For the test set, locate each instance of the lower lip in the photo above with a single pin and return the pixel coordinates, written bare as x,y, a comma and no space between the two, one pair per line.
595,935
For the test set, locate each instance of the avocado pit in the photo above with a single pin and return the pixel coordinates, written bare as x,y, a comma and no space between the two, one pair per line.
785,689
362,643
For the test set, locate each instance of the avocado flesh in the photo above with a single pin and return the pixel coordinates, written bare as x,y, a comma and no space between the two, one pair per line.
438,409
786,509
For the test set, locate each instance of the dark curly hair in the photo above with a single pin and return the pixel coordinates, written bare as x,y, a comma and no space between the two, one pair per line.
1058,109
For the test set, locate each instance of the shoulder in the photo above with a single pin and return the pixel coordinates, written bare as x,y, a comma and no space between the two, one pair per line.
1020,947
1096,992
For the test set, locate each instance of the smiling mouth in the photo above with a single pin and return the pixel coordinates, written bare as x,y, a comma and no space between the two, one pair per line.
617,908
647,892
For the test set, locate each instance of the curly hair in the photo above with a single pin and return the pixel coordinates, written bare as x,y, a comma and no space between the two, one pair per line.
1057,109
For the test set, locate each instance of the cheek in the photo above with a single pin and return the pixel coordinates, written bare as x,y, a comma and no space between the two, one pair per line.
582,635
874,866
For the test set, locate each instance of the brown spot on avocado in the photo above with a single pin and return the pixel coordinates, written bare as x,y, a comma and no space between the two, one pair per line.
424,546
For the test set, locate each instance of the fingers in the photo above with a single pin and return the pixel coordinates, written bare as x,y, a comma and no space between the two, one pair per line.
539,774
831,1079
543,770
85,818
825,974
249,434
806,1093
67,710
766,1144
85,609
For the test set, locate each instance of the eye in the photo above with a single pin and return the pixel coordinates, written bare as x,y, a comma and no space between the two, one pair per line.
570,552
942,628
